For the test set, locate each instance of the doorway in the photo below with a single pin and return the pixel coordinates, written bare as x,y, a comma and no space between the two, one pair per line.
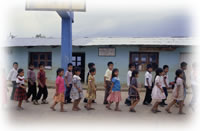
78,60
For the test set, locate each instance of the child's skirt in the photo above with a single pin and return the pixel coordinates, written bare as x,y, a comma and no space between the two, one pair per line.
91,94
157,94
115,96
20,94
133,94
60,97
75,95
181,93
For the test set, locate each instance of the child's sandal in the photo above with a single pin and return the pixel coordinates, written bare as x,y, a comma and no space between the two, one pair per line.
90,109
181,113
78,108
74,109
158,111
63,111
154,111
52,108
132,110
168,111
118,110
108,108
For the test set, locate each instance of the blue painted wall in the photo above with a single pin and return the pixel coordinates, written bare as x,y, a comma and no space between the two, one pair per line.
121,60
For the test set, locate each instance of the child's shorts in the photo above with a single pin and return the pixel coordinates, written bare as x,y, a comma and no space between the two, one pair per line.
60,97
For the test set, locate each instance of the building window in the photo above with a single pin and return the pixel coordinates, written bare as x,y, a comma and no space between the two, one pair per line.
41,57
141,59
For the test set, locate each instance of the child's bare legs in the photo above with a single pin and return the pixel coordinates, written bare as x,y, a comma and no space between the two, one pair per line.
89,104
53,106
75,105
134,103
117,107
78,101
62,107
20,105
108,105
181,107
74,108
155,107
170,105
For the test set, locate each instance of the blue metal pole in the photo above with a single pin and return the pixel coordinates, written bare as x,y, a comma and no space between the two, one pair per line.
66,41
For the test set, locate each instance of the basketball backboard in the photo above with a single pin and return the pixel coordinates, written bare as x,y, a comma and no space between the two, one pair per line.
56,5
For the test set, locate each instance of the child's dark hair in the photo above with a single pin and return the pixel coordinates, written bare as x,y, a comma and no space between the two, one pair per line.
134,73
59,70
15,63
158,71
110,63
178,73
90,65
19,71
113,72
77,69
149,66
92,70
131,65
165,66
183,64
70,64
30,64
41,65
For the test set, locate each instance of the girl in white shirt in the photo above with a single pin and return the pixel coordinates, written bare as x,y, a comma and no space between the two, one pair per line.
178,92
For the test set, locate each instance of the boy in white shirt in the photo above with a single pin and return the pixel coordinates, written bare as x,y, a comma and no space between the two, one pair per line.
165,84
148,85
129,73
107,81
12,76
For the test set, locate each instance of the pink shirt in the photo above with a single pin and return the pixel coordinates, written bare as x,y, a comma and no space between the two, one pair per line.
61,85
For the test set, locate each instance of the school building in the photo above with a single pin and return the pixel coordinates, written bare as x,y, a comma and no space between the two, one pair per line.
121,51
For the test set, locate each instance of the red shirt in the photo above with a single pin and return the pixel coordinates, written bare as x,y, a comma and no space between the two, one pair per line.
42,77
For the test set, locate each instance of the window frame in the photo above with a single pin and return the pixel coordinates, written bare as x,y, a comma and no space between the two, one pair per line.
46,60
148,54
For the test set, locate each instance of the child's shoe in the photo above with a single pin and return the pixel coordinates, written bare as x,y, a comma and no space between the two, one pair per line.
44,102
35,102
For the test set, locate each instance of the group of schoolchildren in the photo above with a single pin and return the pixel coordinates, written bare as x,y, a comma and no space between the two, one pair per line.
69,87
16,76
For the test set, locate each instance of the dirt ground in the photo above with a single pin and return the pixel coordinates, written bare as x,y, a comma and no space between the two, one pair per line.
42,113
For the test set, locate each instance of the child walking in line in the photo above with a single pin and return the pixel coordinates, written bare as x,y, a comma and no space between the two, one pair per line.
132,67
31,85
60,91
107,81
148,85
115,91
68,82
20,93
12,76
133,91
90,66
165,84
91,91
76,93
41,77
157,92
178,92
